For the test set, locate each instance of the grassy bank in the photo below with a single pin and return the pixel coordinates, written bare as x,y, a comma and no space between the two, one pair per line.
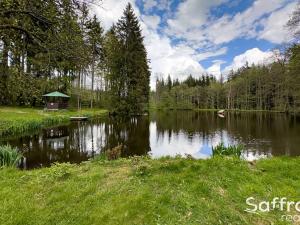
19,120
143,191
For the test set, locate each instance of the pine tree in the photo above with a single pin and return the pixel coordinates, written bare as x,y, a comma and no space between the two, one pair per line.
135,65
114,72
169,82
95,43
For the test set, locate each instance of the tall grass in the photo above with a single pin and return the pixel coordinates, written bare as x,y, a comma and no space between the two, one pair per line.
231,150
9,157
15,121
22,125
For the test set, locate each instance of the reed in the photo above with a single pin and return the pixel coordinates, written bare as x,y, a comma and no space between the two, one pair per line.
17,121
9,157
21,126
231,150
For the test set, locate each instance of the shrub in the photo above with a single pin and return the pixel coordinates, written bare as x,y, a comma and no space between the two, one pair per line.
140,166
9,156
231,150
60,171
114,153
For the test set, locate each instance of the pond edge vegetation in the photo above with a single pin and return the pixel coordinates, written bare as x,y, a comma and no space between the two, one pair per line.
9,156
17,121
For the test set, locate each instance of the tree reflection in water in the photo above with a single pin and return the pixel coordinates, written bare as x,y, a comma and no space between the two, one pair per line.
164,133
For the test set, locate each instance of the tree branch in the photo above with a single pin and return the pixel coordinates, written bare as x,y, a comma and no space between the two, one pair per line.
29,34
30,13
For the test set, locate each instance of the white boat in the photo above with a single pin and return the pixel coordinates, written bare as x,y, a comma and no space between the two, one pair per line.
221,115
221,111
78,118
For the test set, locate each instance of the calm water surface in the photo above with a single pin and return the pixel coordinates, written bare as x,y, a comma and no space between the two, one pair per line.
162,134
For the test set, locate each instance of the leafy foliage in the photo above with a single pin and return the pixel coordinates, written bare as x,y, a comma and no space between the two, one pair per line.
9,157
50,45
231,150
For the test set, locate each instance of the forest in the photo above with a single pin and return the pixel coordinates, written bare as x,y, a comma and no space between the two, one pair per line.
256,87
60,45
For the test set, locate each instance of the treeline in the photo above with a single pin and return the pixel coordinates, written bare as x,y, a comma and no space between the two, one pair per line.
187,94
60,45
258,87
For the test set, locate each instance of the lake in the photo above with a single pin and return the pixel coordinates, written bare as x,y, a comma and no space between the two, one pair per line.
162,134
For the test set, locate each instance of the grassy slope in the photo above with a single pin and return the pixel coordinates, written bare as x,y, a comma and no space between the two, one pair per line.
143,191
18,120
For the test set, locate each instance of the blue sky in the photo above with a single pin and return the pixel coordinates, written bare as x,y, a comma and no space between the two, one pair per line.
206,36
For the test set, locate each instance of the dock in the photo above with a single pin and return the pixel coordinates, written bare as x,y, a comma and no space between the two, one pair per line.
78,118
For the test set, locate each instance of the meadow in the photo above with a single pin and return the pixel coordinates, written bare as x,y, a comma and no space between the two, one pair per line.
140,190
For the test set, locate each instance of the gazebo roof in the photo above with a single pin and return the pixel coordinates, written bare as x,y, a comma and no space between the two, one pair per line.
56,94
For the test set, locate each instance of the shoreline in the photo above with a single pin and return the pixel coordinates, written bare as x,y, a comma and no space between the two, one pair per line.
17,120
227,110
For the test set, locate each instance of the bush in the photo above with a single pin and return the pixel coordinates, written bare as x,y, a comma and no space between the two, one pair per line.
9,157
231,150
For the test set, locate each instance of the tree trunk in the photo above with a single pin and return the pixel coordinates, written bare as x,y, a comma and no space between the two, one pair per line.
78,90
4,72
93,77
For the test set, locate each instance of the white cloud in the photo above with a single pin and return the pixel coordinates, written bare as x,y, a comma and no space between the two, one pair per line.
193,23
274,26
212,53
178,61
192,13
158,4
215,69
164,4
251,56
112,10
151,21
149,4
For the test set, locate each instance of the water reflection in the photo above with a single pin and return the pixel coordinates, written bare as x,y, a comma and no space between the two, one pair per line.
262,134
164,133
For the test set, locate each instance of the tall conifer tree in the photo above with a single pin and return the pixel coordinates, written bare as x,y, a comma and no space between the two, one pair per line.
114,70
135,65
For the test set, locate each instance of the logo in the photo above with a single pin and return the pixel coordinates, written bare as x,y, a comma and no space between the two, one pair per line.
281,204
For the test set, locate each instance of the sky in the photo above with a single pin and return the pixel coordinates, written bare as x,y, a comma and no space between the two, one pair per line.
184,37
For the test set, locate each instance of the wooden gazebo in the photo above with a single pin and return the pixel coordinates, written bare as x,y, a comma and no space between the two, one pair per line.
56,100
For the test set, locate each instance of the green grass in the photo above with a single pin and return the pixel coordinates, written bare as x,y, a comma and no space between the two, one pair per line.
14,121
9,157
144,191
